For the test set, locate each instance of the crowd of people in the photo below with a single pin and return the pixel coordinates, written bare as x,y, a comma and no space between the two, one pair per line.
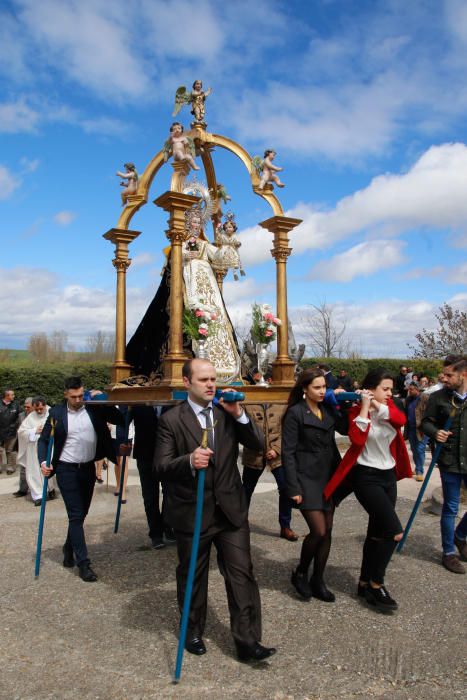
298,444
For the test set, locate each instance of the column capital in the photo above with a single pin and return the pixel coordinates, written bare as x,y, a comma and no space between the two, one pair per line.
121,235
121,265
170,200
280,224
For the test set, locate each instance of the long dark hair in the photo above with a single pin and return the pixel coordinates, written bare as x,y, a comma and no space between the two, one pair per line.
375,377
303,380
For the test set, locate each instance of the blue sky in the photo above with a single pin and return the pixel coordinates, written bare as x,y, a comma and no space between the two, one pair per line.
364,102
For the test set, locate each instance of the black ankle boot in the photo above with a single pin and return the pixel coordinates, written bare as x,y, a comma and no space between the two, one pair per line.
321,591
300,581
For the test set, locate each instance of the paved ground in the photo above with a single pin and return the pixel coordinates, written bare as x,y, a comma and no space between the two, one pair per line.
116,639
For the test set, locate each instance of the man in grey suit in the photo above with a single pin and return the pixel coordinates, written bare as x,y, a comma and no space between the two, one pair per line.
178,457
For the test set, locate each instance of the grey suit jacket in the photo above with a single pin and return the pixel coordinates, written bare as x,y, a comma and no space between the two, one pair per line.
179,433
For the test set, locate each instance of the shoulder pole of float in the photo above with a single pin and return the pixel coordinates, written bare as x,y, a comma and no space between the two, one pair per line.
192,566
434,459
122,472
44,500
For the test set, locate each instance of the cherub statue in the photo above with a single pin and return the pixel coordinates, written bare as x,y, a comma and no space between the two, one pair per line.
196,98
227,256
222,193
131,186
266,169
181,147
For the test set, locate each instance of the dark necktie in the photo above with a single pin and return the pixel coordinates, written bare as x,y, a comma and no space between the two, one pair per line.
207,414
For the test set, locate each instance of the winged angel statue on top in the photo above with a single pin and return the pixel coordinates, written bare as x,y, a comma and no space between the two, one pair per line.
196,98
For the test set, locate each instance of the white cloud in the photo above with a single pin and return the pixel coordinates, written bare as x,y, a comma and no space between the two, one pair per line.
18,117
383,328
457,274
8,182
99,55
432,194
64,218
363,260
142,259
50,306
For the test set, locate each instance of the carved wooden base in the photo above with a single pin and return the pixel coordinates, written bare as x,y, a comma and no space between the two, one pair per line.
120,371
283,372
165,393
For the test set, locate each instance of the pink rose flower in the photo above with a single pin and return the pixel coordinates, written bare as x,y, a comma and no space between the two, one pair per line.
203,331
268,317
277,321
198,313
213,317
268,333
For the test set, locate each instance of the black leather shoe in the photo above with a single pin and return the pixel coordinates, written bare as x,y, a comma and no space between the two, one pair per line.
38,502
68,558
253,652
87,574
195,645
300,581
52,495
380,598
157,543
361,588
19,494
321,591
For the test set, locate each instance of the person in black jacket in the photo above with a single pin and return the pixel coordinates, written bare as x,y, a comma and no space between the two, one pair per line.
452,461
145,419
9,422
81,436
310,457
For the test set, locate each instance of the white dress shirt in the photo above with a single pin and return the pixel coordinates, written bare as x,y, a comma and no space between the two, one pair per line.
81,442
197,409
377,453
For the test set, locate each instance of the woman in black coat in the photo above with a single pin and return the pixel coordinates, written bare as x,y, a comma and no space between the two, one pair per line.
310,456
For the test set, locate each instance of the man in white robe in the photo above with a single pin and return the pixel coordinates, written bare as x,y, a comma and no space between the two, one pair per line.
29,433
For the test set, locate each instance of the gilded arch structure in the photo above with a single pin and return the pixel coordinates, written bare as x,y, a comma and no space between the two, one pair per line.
176,202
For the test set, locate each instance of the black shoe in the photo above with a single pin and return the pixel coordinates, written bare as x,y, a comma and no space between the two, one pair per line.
253,652
99,480
38,502
169,537
52,495
300,581
86,573
361,590
68,558
195,645
321,591
157,543
19,494
380,598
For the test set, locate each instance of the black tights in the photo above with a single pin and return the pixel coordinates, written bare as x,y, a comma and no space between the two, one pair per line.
317,544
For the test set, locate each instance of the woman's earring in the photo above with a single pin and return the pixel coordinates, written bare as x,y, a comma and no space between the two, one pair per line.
304,395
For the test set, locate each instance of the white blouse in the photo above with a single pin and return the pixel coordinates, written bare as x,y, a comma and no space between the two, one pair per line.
377,453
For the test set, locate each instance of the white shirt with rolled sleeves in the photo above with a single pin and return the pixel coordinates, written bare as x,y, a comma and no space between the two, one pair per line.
377,453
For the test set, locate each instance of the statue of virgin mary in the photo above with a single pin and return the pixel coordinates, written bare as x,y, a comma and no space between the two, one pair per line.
149,344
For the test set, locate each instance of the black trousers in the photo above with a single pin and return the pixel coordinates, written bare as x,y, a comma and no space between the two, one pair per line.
234,561
376,491
76,484
150,492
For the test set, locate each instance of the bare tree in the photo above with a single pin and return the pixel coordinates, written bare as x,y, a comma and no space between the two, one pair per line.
38,346
100,345
449,337
323,333
57,345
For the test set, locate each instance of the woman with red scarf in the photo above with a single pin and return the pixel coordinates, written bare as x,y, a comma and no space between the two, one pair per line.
377,458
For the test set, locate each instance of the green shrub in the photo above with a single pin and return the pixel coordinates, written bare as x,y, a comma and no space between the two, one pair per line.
47,379
357,369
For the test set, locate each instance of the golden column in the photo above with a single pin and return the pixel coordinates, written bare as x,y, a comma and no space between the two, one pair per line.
176,203
279,226
121,238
